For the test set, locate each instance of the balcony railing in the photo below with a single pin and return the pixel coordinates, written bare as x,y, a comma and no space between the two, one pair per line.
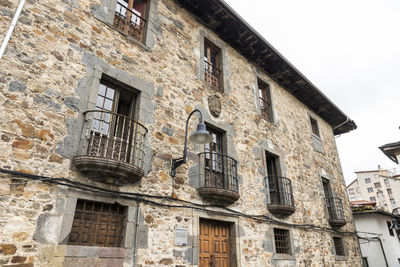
219,177
281,196
212,74
113,145
335,212
129,22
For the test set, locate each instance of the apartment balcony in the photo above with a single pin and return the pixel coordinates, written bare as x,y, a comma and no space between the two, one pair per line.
335,212
112,148
218,178
281,202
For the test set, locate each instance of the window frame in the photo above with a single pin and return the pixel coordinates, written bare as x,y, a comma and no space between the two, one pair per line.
367,180
389,225
265,98
314,127
370,189
339,257
208,48
281,256
373,199
377,185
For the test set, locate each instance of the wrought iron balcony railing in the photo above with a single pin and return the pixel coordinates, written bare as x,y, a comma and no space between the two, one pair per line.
113,144
212,74
219,177
129,22
281,202
335,211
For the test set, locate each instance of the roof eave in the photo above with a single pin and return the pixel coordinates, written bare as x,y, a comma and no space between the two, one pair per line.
216,15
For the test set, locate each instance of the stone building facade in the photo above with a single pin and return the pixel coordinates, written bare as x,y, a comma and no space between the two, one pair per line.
94,97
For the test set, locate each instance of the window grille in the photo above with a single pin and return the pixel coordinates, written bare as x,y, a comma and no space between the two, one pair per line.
97,224
339,246
282,241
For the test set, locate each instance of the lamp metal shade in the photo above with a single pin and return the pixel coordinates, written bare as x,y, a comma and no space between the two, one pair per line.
201,136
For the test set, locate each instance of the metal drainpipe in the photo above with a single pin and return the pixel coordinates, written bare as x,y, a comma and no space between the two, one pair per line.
11,28
136,234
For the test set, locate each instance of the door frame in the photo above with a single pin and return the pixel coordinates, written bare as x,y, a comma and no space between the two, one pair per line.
234,235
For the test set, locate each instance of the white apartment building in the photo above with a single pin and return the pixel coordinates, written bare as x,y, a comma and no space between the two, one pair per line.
380,186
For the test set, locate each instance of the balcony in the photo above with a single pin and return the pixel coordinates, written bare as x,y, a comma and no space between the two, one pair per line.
281,202
112,148
335,212
218,178
129,22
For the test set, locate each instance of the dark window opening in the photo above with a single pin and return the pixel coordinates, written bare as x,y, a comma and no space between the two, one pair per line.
314,126
365,262
370,189
339,246
282,241
97,224
377,185
367,180
212,65
372,199
265,100
130,17
389,226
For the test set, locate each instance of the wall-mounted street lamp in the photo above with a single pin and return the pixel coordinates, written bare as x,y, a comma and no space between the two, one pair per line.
201,136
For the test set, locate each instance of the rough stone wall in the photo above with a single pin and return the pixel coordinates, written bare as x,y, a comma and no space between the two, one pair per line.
44,88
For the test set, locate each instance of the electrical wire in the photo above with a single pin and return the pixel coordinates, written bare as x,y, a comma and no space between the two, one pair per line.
150,199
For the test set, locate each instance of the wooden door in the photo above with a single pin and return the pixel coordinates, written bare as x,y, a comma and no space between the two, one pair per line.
214,244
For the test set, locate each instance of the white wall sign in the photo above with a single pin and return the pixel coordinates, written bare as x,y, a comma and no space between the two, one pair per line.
180,237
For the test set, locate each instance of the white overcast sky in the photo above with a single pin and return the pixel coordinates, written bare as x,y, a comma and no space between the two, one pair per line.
350,49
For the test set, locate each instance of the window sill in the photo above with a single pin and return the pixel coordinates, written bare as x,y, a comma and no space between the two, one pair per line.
288,257
341,258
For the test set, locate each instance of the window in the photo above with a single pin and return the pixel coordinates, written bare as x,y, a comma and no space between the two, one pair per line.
113,132
367,180
97,224
314,126
214,159
351,191
372,199
339,246
377,185
370,189
389,226
387,183
282,241
265,100
212,65
358,190
365,262
130,17
392,201
389,192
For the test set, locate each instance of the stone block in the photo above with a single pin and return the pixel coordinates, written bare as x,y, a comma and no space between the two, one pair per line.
82,251
111,252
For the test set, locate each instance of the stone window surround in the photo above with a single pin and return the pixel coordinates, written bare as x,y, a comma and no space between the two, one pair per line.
257,100
259,151
105,12
144,92
235,232
225,88
316,140
338,257
282,257
228,143
128,241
